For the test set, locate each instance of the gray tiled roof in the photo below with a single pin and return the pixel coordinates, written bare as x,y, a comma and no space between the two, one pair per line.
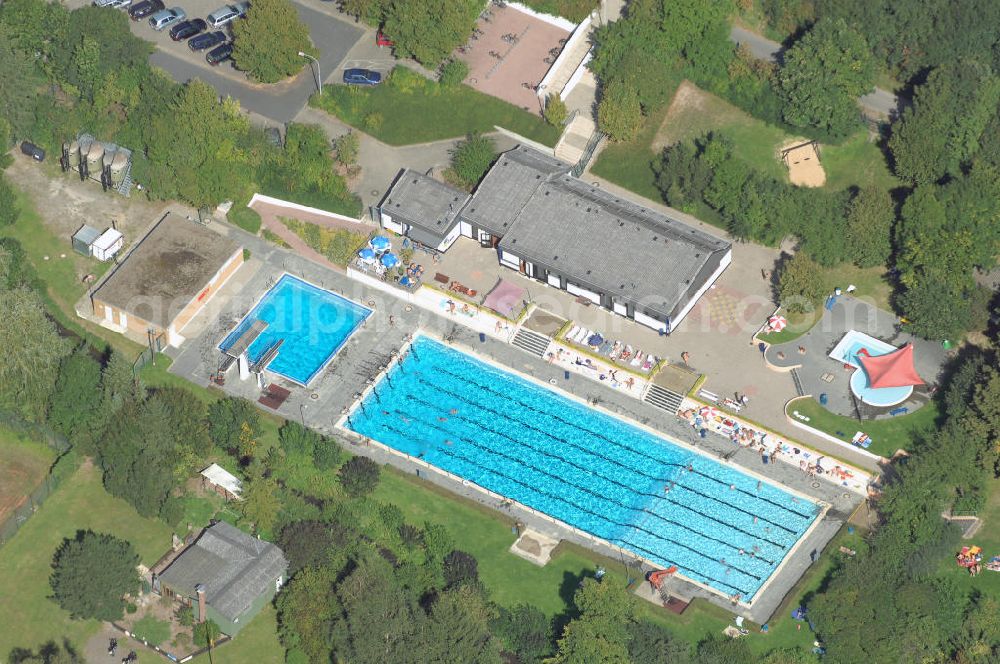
234,567
613,245
423,202
508,185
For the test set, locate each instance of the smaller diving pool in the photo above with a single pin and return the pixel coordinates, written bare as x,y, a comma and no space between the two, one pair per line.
847,351
310,323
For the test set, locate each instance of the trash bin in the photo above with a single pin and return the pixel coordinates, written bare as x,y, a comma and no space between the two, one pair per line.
823,399
33,151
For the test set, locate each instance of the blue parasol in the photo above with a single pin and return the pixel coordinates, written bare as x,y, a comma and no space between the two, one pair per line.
595,340
366,254
380,243
389,259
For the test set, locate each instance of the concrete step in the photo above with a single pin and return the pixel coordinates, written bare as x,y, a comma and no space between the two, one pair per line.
663,398
531,342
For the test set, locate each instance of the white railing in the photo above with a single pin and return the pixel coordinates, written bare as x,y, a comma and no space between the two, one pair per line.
580,32
577,75
270,200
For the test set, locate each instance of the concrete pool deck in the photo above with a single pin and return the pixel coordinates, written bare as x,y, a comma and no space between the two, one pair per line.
371,347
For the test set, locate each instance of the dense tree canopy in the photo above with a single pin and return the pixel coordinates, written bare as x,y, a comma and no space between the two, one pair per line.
91,574
823,75
75,405
471,158
267,41
429,30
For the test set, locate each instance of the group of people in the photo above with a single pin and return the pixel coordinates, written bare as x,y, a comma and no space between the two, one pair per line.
971,558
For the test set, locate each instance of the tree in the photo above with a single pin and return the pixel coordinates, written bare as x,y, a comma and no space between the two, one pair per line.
453,73
247,445
800,284
347,147
619,114
359,476
371,12
206,633
261,503
823,75
189,417
9,209
429,30
870,218
310,543
30,367
524,631
471,158
75,405
119,383
555,110
92,573
652,644
211,169
47,653
327,454
20,82
942,131
460,568
16,270
307,608
458,630
226,418
267,41
297,439
601,632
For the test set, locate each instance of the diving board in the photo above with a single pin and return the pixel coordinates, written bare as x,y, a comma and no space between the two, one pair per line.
245,340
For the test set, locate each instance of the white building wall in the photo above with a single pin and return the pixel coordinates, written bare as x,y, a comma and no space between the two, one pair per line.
726,260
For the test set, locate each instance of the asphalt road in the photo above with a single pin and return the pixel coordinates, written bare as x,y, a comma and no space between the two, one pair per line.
283,101
878,104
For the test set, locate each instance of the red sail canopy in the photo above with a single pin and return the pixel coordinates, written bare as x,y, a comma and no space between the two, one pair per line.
894,369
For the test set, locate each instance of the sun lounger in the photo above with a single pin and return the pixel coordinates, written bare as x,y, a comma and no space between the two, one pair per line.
572,332
637,360
649,363
582,337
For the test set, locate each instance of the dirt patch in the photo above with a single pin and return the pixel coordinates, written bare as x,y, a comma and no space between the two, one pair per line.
804,167
65,203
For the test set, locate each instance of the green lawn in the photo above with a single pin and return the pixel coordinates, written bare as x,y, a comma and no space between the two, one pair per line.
257,642
151,630
888,435
23,464
28,617
988,537
856,162
409,108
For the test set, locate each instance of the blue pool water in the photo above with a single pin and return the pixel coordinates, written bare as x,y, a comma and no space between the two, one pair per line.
314,324
881,396
584,467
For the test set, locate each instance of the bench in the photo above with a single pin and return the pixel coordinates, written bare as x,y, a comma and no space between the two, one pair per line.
899,411
442,278
708,396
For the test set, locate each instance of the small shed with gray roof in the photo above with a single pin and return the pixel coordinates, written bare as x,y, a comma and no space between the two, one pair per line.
226,575
423,209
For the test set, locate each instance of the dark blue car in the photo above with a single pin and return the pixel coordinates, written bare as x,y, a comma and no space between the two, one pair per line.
182,31
207,40
362,77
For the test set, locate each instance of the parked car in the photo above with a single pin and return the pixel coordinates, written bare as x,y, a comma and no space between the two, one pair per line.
112,3
219,53
206,40
33,151
166,18
144,8
182,31
227,14
362,77
382,40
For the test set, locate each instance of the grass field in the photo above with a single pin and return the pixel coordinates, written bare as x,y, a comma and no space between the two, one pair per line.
694,112
23,464
411,109
28,616
988,537
887,435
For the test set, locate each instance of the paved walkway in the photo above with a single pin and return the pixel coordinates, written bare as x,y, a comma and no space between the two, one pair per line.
359,362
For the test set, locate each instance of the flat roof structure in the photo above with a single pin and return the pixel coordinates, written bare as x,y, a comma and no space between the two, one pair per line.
507,187
429,207
166,270
219,476
618,247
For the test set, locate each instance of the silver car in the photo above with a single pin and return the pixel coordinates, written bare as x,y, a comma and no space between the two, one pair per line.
167,17
227,14
116,4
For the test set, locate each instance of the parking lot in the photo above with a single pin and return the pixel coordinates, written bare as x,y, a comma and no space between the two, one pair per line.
330,32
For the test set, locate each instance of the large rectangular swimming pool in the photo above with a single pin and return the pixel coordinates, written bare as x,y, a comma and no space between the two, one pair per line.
311,323
663,501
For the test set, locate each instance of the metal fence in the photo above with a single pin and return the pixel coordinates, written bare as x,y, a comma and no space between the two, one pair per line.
64,466
588,153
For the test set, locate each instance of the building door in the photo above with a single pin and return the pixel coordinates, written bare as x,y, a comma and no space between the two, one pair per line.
485,239
621,308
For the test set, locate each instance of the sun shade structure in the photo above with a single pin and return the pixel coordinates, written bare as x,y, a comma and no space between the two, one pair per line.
893,369
505,298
